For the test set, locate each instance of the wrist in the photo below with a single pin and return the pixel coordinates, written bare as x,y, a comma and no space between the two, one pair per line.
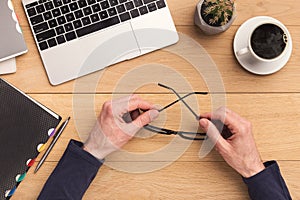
253,170
93,152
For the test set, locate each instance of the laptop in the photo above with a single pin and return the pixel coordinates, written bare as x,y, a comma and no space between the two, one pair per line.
12,43
78,37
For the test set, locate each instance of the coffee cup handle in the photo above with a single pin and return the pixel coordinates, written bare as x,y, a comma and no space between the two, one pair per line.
243,51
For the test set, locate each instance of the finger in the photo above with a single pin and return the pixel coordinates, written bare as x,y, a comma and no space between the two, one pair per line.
226,116
213,133
142,120
130,103
206,115
138,103
145,118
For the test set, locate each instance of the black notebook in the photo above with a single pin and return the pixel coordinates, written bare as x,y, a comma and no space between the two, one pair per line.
25,125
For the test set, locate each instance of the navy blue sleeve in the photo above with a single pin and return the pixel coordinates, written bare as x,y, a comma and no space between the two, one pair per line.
73,174
268,184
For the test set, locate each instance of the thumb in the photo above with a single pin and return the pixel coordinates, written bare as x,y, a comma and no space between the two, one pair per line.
212,132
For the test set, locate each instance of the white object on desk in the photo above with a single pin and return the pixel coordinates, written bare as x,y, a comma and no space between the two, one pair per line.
8,66
11,41
95,49
241,40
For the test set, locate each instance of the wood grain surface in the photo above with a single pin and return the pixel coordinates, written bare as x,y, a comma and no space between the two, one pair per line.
271,103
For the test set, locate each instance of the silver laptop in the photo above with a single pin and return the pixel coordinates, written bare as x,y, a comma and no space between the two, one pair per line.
78,37
11,39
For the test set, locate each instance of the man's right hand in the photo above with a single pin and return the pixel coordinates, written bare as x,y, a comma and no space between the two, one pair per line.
240,150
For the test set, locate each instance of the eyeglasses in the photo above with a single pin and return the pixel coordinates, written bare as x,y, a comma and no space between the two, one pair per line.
225,132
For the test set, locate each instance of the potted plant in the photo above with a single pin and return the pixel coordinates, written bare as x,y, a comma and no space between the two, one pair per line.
215,16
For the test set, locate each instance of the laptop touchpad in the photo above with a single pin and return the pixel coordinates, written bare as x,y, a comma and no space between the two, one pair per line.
114,45
91,53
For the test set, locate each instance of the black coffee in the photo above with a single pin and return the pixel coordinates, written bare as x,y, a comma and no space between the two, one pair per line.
268,41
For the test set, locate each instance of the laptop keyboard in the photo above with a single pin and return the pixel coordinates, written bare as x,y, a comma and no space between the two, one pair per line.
55,22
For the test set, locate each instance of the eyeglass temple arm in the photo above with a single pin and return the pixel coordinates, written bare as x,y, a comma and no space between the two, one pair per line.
225,132
180,99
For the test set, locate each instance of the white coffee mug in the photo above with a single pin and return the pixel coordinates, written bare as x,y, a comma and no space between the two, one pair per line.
250,52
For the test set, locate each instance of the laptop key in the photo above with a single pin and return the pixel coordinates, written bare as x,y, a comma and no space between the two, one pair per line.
86,21
78,14
90,2
68,27
161,4
70,17
56,12
57,3
87,11
121,8
95,17
98,26
129,5
82,3
112,12
52,23
104,5
43,46
61,20
143,10
40,8
148,1
96,8
152,7
60,30
70,36
123,1
77,24
61,39
103,14
36,19
138,3
113,2
66,1
65,9
45,35
47,15
49,5
124,17
134,13
40,27
31,5
31,12
52,42
74,6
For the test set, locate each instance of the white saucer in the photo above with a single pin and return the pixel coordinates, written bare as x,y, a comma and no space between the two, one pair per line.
240,42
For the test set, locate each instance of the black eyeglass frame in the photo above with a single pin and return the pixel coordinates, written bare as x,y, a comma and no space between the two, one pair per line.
182,134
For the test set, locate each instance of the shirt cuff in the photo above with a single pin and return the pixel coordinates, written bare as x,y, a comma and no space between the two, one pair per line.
76,148
271,167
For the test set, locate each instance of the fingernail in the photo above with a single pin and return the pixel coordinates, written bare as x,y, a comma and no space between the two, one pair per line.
156,107
153,114
203,123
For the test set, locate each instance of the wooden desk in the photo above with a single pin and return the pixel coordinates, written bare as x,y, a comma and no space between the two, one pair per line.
272,103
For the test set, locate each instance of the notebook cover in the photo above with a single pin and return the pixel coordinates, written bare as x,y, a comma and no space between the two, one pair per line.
24,125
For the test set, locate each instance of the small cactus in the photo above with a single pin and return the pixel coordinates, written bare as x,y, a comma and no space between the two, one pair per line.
217,12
